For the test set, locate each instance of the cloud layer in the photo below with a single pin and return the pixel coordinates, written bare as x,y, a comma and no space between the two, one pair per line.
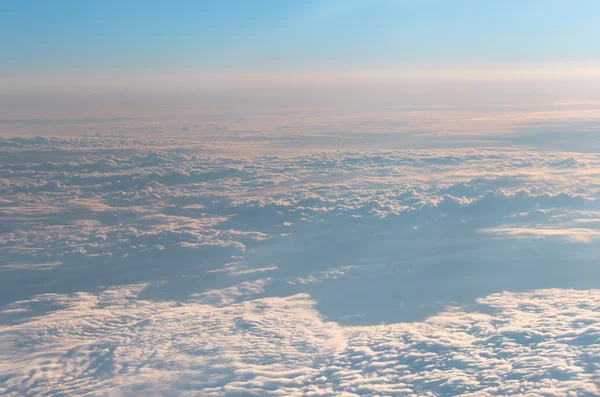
415,272
537,343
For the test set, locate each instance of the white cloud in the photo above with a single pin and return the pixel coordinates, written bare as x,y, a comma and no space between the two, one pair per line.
542,342
337,273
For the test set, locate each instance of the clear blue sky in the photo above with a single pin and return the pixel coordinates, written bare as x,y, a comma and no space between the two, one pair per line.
146,36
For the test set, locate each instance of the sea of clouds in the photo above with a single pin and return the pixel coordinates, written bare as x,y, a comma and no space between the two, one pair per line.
138,266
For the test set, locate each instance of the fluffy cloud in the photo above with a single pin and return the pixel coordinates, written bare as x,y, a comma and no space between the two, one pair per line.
537,343
337,273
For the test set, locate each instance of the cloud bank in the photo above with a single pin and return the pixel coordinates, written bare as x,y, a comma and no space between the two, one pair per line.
163,271
537,343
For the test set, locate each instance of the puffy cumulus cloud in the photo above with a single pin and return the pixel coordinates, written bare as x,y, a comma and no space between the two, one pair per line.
528,344
341,273
112,343
95,343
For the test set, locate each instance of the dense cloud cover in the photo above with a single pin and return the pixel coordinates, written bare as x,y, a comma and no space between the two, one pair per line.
414,272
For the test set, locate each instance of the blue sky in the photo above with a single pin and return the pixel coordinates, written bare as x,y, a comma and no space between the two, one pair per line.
146,37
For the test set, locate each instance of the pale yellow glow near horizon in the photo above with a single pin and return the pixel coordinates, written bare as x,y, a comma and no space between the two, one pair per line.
424,74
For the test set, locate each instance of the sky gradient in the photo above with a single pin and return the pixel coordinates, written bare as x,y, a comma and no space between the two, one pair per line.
109,38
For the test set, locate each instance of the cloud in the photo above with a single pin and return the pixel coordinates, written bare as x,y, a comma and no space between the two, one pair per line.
332,273
536,343
576,234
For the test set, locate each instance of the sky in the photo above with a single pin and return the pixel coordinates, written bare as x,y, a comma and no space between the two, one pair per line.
299,66
130,59
73,59
204,37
